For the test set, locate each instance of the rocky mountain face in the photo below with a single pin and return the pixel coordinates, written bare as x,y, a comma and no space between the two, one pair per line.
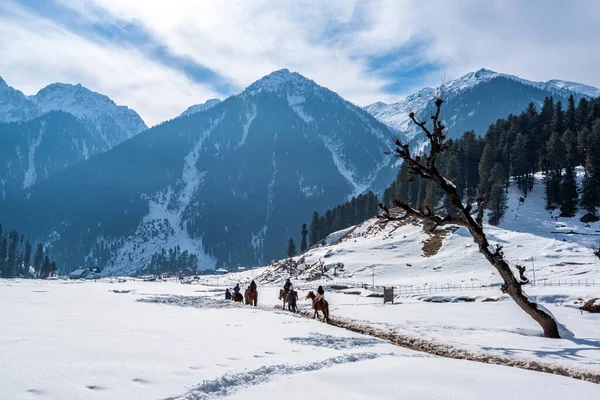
230,184
61,125
475,101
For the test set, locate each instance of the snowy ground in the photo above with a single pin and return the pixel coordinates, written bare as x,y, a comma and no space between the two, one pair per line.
96,340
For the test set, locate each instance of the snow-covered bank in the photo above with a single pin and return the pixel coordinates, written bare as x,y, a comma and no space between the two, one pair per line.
71,340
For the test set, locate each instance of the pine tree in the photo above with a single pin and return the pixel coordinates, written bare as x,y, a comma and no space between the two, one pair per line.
291,251
313,233
46,268
53,269
570,115
497,196
38,258
555,153
568,188
486,163
13,241
27,258
3,256
590,198
520,166
303,243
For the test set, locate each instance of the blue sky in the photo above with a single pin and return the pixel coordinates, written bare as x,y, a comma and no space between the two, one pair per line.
161,57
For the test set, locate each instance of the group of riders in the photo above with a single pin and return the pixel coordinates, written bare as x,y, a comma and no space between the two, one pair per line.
287,289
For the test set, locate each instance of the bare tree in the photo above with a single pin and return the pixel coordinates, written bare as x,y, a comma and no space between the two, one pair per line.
425,168
595,248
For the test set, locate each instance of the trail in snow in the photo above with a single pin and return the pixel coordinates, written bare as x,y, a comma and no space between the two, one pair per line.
30,174
229,383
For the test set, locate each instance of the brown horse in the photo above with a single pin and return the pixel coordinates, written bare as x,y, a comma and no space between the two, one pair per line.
292,297
251,297
238,298
321,305
283,296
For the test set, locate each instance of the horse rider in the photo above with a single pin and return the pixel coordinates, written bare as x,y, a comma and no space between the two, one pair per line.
320,295
236,289
286,288
252,287
227,294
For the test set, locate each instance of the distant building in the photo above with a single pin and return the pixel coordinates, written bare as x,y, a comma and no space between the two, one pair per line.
221,271
83,273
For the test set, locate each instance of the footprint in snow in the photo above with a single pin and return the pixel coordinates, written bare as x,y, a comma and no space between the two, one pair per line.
195,368
270,353
141,380
35,391
95,387
233,358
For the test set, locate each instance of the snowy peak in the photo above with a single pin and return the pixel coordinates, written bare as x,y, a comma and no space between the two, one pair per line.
282,81
114,123
84,103
475,100
208,104
14,105
564,88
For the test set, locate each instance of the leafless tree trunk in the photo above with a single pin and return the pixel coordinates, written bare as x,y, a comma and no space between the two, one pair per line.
427,170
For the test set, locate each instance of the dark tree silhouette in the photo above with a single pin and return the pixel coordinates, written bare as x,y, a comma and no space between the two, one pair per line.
425,168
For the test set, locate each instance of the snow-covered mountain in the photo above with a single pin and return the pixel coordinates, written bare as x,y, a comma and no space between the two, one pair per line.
476,100
61,125
230,184
200,107
113,123
15,106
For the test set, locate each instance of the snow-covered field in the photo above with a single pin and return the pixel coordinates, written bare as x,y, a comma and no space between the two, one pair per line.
153,340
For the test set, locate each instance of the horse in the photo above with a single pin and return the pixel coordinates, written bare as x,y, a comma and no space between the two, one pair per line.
238,298
284,297
321,305
251,297
292,297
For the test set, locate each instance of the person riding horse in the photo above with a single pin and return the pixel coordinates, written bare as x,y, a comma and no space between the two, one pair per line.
320,295
252,286
286,288
236,289
227,294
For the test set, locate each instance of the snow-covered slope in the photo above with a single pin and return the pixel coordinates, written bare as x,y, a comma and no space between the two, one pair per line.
402,254
200,107
113,123
61,125
476,100
15,106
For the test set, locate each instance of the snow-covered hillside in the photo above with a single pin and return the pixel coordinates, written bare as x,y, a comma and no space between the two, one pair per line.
113,123
15,106
58,127
476,100
402,254
200,107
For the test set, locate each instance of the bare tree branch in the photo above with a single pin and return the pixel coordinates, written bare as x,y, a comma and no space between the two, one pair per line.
427,170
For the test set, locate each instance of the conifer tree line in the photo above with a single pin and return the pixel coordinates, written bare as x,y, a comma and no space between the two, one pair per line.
171,261
18,258
552,140
352,212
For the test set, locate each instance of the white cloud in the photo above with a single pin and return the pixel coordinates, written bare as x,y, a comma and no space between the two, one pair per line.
36,52
244,40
